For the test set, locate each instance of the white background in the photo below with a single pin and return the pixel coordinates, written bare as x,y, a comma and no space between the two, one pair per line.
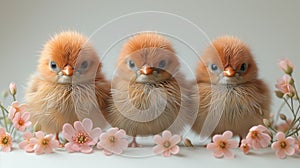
271,28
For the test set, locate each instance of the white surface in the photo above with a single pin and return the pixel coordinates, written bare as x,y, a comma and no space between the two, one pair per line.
187,157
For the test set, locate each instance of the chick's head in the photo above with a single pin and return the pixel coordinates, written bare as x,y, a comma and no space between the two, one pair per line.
147,58
68,58
227,61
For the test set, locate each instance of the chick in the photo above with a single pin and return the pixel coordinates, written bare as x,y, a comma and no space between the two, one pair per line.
231,95
68,85
148,91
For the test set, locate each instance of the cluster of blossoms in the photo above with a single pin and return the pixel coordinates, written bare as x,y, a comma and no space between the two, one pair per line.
283,138
80,137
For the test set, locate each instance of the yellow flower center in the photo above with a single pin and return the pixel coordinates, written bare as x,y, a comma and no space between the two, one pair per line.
222,144
283,144
45,141
5,140
112,139
167,144
81,138
254,134
21,122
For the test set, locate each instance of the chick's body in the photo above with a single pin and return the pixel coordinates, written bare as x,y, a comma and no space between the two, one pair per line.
148,92
231,96
68,86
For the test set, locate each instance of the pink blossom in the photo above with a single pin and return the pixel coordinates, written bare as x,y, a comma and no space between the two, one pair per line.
258,137
284,126
16,108
283,146
284,86
44,143
297,145
81,137
21,121
221,145
26,145
113,141
13,88
286,66
245,147
166,144
5,140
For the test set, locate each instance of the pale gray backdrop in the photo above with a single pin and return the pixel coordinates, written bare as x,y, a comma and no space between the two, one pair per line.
271,28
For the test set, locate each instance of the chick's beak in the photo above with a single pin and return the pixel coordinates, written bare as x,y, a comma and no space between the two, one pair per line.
229,71
146,70
68,70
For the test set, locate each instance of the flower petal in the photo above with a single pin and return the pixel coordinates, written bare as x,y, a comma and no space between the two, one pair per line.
227,134
68,131
218,153
280,153
228,154
232,144
217,138
175,139
78,126
26,116
121,133
166,153
166,134
158,139
280,136
95,133
175,149
290,151
158,149
211,146
86,149
87,124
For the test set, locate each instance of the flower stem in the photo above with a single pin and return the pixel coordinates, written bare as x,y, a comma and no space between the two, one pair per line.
4,117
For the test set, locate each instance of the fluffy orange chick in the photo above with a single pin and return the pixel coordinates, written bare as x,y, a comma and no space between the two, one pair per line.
148,91
231,95
68,85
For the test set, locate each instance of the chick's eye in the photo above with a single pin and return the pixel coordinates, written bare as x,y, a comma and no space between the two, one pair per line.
162,64
131,64
84,65
53,65
214,67
244,67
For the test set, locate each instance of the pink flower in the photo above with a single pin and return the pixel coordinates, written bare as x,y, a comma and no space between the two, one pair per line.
13,88
113,141
283,146
284,86
166,144
297,145
286,66
5,140
21,121
284,126
221,145
16,108
245,147
26,145
258,137
82,137
44,143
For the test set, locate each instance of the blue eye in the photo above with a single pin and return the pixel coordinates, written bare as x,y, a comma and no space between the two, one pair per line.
131,64
53,66
162,64
244,67
84,65
214,67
